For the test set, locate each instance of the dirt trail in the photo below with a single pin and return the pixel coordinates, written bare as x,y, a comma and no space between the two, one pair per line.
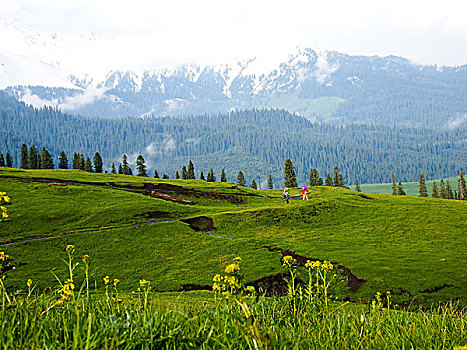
58,234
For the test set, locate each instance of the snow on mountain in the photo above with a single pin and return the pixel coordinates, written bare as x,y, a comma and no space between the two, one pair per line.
18,70
40,68
63,51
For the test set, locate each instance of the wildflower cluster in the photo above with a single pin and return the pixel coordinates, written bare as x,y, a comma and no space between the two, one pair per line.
232,283
6,262
326,265
6,199
67,289
288,261
322,281
377,302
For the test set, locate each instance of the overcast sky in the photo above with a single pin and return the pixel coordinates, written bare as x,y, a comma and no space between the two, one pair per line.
153,33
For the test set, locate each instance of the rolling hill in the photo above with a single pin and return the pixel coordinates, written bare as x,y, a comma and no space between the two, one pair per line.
134,228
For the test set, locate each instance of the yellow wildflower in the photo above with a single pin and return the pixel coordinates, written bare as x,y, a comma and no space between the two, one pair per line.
217,278
70,248
232,268
29,283
288,261
143,283
116,282
327,265
106,280
6,199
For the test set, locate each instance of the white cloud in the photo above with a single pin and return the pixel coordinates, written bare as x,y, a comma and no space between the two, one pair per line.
457,121
35,101
152,34
324,70
90,95
160,148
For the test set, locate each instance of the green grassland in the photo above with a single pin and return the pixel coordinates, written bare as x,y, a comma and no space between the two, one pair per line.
314,109
413,247
410,188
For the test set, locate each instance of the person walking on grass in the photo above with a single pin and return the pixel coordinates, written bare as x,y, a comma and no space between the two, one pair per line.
286,195
305,193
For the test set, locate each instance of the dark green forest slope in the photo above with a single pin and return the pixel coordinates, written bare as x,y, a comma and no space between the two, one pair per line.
255,141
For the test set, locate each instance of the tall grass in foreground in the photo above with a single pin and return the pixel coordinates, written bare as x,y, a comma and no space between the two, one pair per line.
70,317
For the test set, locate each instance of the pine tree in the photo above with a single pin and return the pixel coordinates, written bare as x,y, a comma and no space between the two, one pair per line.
394,186
357,186
290,178
24,157
337,179
81,162
156,174
240,179
125,167
97,160
211,177
461,186
400,189
191,171
88,165
434,190
320,180
442,190
201,176
140,166
422,186
223,177
62,161
113,169
314,179
2,160
130,172
9,161
46,159
75,164
270,183
449,193
254,185
184,173
177,175
33,157
165,176
120,169
328,180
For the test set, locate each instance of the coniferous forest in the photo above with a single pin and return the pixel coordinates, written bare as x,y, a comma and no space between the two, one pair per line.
255,142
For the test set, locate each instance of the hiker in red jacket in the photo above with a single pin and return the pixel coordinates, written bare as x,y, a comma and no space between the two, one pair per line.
305,192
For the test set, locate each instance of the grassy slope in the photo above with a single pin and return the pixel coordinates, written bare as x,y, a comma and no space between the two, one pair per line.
323,107
410,188
403,244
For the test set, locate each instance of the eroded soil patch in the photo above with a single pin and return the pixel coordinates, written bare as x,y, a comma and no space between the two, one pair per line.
353,282
200,224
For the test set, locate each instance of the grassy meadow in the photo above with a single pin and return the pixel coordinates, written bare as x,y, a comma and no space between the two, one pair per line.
410,247
410,188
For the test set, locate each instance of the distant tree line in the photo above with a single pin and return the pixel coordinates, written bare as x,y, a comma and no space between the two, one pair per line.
254,141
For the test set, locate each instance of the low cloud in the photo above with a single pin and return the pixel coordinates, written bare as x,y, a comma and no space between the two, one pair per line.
35,101
90,95
175,104
159,148
457,121
324,69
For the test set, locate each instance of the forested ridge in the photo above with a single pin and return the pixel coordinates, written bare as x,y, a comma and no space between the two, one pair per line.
254,141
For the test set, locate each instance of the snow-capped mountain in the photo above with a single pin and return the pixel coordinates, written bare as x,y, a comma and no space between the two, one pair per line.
321,85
